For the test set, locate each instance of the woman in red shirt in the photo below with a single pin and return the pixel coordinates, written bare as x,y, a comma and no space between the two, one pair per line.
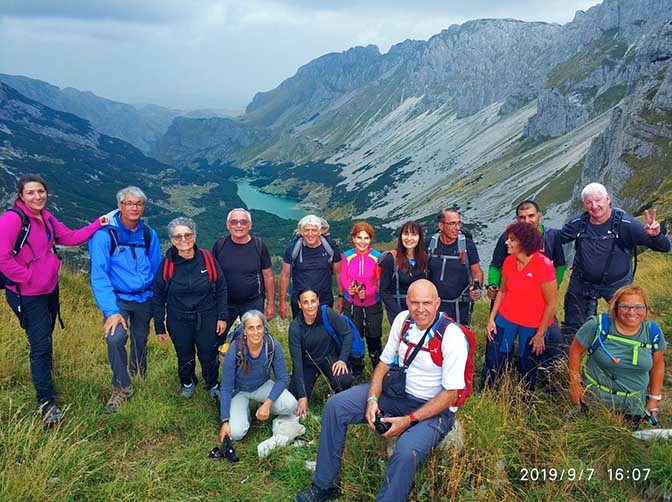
524,306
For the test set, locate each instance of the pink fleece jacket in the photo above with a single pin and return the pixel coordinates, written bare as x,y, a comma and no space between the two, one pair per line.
364,269
35,268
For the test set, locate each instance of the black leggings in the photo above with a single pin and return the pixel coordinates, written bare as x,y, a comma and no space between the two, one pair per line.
311,372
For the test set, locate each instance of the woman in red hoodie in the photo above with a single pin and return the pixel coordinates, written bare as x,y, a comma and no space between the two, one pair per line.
29,270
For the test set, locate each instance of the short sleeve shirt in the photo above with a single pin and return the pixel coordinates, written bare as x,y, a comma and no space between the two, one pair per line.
242,265
313,270
424,379
622,376
524,302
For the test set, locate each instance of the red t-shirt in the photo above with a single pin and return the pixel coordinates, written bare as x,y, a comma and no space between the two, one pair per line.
524,302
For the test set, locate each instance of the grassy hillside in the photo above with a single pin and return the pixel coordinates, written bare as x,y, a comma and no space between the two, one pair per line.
156,446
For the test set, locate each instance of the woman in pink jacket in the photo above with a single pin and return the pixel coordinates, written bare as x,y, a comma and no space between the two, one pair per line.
360,276
29,271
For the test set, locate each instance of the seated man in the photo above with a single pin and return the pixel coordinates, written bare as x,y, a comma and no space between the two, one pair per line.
420,419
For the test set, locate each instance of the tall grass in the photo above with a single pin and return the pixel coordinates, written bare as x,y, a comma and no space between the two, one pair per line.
155,447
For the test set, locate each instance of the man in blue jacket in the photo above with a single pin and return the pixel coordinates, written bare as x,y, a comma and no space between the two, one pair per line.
124,259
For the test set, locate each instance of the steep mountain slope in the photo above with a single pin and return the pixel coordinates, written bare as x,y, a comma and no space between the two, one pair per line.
479,116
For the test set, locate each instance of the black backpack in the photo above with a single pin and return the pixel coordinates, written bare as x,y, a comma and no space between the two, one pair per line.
21,240
115,245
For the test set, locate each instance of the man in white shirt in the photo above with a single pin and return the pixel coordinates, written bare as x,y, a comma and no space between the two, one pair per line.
421,418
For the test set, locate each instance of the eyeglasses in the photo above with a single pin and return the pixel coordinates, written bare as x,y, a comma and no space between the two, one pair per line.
640,307
242,223
128,203
183,237
452,223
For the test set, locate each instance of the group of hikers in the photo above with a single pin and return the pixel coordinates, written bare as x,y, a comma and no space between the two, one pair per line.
426,286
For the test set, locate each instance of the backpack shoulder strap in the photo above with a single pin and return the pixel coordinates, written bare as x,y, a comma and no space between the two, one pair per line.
656,332
601,330
327,248
258,245
325,320
433,243
442,325
167,270
583,226
219,245
114,239
147,236
209,265
22,238
406,326
298,244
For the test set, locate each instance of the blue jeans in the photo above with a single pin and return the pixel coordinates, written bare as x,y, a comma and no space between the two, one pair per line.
39,315
348,407
499,353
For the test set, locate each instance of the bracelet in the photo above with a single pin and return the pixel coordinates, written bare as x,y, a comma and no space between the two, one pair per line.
412,418
372,398
657,397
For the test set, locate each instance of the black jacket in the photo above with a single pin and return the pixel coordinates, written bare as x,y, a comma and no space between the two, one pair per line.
189,290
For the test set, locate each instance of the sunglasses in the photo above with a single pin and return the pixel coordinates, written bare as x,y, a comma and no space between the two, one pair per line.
183,237
640,307
242,223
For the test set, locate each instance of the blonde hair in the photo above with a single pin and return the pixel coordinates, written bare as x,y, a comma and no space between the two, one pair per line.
629,289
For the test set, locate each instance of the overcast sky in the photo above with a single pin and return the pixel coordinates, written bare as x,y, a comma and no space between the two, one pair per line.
219,53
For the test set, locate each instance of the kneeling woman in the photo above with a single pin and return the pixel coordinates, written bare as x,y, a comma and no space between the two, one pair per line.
623,365
247,377
314,351
190,286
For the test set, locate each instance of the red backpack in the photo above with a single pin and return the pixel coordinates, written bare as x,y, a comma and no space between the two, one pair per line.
435,351
169,268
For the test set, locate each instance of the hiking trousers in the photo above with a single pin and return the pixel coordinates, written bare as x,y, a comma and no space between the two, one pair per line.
39,316
311,372
449,308
138,315
581,303
189,332
239,412
237,310
369,322
412,448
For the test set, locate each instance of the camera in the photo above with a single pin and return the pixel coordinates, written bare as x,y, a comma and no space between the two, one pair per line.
226,451
381,427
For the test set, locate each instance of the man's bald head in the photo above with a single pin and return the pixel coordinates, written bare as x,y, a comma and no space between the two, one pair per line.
423,302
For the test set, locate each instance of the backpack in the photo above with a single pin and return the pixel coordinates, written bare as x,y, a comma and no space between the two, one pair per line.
395,275
21,240
235,334
168,268
358,347
463,256
437,356
613,234
115,245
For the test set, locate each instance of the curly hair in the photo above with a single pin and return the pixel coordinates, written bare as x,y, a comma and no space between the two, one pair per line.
527,234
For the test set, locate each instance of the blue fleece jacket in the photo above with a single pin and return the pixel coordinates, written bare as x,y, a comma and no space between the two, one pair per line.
129,272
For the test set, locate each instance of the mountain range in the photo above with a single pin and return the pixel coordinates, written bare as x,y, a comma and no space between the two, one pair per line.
479,116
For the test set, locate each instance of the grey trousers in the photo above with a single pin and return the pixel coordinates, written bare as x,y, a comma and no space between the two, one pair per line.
239,413
348,407
138,315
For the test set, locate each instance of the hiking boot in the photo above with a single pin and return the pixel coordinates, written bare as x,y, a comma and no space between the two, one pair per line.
214,392
317,494
51,415
188,390
119,396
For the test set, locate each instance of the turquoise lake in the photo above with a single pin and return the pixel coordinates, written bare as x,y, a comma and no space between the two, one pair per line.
282,207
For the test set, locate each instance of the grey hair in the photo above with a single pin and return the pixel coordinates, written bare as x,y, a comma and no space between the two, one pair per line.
324,225
181,221
247,213
252,314
309,219
592,188
131,190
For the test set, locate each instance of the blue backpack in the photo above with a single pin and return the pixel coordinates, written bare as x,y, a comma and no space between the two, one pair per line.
358,347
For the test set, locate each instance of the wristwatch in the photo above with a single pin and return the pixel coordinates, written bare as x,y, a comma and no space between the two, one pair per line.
413,419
